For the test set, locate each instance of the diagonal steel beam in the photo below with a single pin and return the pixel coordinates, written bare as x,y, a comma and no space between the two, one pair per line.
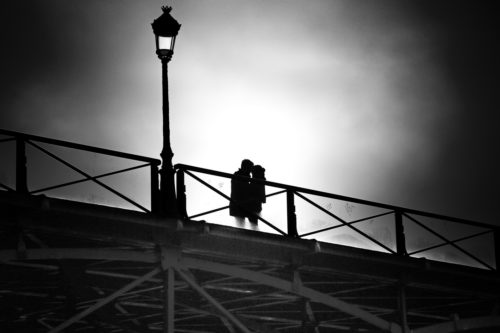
193,313
293,323
189,310
122,276
228,324
462,325
308,311
290,287
235,321
310,314
105,301
125,312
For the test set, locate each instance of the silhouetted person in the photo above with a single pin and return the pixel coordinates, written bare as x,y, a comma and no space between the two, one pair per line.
240,192
257,193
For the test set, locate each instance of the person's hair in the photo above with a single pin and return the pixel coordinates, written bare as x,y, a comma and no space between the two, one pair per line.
246,164
258,171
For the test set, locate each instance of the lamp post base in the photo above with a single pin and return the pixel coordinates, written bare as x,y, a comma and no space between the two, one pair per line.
168,206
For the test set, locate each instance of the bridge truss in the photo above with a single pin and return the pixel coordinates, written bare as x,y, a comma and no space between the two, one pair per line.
76,267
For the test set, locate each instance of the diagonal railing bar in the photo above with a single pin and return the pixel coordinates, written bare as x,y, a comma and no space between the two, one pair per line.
91,178
346,224
447,241
8,188
83,173
275,193
226,207
231,200
342,225
454,241
208,212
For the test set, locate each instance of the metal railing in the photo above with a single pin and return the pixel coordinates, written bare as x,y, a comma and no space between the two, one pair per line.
21,170
401,217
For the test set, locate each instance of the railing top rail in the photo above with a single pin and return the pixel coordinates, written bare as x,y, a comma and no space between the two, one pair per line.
80,146
341,197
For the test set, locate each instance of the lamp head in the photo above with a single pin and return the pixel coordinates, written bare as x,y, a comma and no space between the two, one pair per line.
165,29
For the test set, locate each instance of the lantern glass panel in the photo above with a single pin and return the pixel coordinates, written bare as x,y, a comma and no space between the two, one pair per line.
165,43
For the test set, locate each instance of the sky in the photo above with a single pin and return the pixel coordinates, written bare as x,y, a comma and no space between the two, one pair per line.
392,101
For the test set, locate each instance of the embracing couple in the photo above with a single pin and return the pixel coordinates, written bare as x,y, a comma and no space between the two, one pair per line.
247,197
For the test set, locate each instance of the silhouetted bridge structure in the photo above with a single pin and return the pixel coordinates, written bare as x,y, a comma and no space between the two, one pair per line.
67,265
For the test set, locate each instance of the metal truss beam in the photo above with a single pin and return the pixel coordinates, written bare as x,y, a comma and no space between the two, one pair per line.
235,321
80,253
461,325
182,263
293,323
169,308
290,287
310,314
105,301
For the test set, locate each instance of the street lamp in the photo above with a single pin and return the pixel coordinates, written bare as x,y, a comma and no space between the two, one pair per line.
166,29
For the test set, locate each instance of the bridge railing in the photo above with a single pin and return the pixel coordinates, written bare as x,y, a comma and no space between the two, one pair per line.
411,232
48,148
414,233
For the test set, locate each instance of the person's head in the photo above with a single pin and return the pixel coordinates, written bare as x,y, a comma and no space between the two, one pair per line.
246,166
258,171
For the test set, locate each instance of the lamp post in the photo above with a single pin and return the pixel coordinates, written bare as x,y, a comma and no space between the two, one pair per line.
166,29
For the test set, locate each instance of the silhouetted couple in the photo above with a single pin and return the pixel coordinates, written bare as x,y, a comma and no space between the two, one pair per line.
247,197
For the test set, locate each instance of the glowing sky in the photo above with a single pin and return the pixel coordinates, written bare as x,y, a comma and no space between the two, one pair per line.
386,100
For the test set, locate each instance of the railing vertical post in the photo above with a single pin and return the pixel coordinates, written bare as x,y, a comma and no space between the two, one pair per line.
497,248
181,193
21,166
291,217
155,190
400,234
